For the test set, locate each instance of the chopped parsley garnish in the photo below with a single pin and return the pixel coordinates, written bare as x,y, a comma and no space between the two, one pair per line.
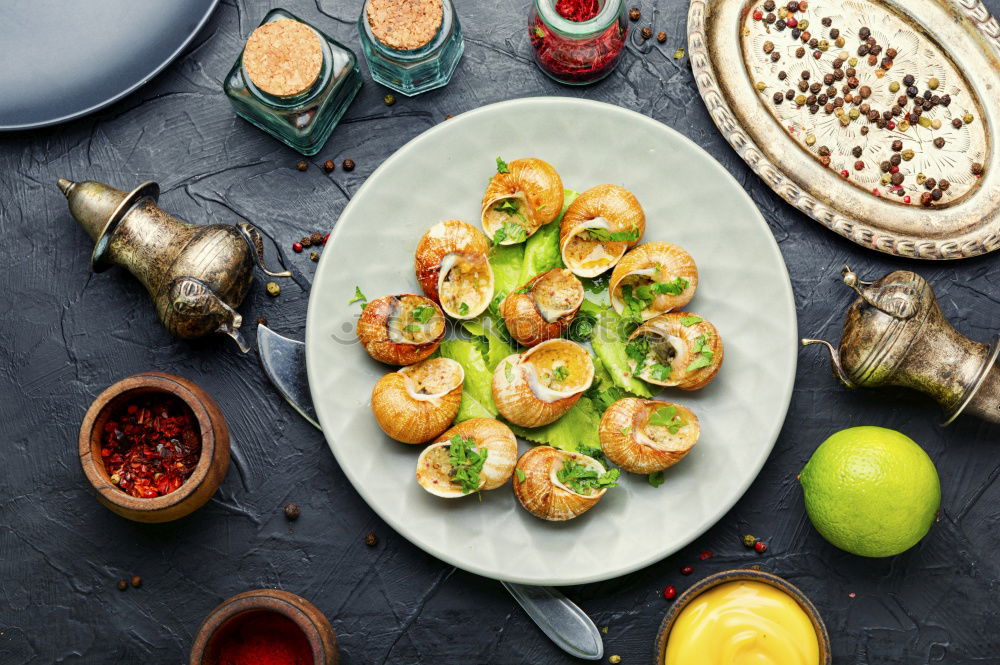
423,313
514,232
638,298
560,373
358,297
463,309
411,327
508,206
637,350
595,453
520,475
502,166
660,372
689,321
603,235
601,397
655,479
667,417
584,479
466,463
703,356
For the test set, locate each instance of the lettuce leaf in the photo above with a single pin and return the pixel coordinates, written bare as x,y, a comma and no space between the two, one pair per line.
578,426
506,261
541,251
497,346
609,346
477,395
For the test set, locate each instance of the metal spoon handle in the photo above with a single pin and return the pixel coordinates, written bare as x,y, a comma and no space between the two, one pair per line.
559,618
284,362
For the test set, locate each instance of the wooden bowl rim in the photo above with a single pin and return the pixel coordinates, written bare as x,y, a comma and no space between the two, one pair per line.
287,604
748,575
179,387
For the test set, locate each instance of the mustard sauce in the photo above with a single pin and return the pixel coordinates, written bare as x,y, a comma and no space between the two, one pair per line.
743,623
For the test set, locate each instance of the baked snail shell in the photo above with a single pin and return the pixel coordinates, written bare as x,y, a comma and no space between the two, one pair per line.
433,466
418,402
630,441
453,268
655,263
538,386
543,495
529,195
609,207
392,332
543,308
671,343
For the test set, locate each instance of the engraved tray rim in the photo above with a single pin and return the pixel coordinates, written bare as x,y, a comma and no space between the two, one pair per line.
977,220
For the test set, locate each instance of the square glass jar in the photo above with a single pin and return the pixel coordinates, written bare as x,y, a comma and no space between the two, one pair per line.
413,72
304,121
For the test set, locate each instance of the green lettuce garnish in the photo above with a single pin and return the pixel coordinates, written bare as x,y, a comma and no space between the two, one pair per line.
610,348
477,395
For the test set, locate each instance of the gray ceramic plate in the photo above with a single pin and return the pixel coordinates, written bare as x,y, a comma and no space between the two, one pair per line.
690,200
63,60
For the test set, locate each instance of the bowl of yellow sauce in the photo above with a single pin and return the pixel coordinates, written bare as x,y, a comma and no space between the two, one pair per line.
743,617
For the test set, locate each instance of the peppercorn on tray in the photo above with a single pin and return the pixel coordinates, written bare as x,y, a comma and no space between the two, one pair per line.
874,118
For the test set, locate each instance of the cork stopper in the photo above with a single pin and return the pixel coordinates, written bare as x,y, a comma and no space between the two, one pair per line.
283,58
405,25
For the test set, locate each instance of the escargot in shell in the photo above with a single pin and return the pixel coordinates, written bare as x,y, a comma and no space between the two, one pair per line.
644,435
474,455
543,308
598,227
401,330
538,386
676,349
453,268
419,401
558,485
517,203
653,278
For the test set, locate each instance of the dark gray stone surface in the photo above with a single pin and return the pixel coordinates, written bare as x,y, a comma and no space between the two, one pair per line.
67,334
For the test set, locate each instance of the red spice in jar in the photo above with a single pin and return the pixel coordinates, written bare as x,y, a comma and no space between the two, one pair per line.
577,59
261,637
578,10
150,445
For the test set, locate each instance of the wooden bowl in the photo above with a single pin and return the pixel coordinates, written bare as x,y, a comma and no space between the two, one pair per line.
825,654
314,624
207,475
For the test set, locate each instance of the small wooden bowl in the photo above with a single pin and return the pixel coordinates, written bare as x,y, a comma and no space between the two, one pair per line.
314,624
825,654
207,475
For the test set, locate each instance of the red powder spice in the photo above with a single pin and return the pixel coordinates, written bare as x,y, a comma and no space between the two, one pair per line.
261,638
150,445
578,10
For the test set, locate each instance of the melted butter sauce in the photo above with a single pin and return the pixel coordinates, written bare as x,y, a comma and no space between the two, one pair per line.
743,623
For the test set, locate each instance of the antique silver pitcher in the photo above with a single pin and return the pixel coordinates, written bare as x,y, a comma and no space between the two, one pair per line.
196,275
895,335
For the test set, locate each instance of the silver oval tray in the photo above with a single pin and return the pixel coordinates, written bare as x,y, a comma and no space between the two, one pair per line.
831,168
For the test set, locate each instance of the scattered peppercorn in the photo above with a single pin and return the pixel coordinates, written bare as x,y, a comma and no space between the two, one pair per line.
936,194
687,570
389,99
800,52
704,556
865,32
136,581
768,46
930,183
977,168
895,160
306,241
669,592
827,21
939,142
614,659
122,585
371,540
348,164
769,5
296,246
316,238
943,185
856,151
314,256
967,118
302,165
646,32
261,320
926,199
782,75
778,97
292,512
635,14
329,166
273,289
661,36
760,547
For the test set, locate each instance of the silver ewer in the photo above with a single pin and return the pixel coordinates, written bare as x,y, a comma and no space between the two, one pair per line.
196,275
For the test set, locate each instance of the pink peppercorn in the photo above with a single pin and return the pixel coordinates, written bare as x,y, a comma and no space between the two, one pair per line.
297,246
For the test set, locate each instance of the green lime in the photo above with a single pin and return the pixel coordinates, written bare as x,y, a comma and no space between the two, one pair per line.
871,491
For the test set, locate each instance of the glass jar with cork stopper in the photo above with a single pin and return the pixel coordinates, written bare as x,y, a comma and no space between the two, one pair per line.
411,46
293,81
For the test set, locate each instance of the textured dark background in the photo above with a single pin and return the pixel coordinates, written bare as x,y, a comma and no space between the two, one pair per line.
67,334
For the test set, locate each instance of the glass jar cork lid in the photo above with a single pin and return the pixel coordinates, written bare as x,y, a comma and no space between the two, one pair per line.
283,58
405,25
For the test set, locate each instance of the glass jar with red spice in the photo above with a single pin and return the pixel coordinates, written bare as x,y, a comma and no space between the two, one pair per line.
578,42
